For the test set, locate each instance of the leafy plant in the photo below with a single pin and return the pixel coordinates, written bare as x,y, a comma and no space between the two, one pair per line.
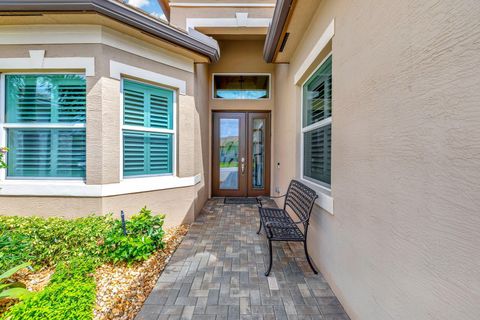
68,300
69,295
144,236
49,241
76,269
12,289
3,151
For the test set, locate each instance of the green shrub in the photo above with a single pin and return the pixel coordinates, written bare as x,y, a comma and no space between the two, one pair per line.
76,247
49,241
69,295
14,249
144,236
68,300
75,269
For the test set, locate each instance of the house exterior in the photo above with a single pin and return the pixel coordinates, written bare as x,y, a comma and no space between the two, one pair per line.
375,106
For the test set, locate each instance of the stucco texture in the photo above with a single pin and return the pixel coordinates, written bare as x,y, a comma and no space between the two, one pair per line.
403,241
104,144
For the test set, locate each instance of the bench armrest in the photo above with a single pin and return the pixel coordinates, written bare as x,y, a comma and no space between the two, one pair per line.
260,198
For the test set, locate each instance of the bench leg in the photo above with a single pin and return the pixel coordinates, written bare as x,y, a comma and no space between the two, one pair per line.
308,258
260,227
271,257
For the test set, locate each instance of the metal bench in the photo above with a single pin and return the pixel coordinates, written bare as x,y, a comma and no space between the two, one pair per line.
279,225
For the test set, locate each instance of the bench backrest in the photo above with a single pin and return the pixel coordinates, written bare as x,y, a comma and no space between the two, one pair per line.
300,199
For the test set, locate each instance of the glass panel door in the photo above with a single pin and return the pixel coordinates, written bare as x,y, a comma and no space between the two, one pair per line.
229,154
258,154
241,154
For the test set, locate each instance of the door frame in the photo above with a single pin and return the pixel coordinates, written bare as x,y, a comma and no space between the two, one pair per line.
245,186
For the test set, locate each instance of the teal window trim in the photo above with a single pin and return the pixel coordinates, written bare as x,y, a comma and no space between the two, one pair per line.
53,106
316,129
148,130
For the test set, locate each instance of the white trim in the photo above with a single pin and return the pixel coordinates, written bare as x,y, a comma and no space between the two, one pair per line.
37,60
147,129
3,132
325,199
316,50
241,20
43,125
242,74
92,34
80,189
208,4
117,70
318,124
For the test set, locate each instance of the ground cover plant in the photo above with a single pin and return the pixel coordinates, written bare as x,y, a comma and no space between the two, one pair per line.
74,249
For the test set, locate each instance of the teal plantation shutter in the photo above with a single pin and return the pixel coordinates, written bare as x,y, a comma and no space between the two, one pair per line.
46,98
46,153
51,103
147,106
148,141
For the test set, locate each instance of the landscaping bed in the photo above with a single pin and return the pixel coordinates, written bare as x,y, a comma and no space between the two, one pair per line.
86,268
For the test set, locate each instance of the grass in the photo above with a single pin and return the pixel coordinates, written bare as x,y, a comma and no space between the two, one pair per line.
232,164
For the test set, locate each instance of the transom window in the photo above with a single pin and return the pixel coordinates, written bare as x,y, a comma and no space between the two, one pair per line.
252,87
45,125
317,125
148,129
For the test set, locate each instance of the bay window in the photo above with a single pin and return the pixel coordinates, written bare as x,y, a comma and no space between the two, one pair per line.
317,125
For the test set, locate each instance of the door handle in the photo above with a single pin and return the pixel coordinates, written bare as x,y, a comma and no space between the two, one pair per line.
243,165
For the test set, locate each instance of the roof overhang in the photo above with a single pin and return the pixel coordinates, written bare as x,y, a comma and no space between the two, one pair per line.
165,5
283,10
194,41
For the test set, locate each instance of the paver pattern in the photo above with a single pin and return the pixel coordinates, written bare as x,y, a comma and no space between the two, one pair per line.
218,273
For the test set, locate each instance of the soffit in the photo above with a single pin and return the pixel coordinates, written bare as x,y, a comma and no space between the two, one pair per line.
97,19
298,22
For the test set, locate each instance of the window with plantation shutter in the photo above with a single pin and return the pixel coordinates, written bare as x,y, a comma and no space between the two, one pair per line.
317,125
148,133
147,106
45,122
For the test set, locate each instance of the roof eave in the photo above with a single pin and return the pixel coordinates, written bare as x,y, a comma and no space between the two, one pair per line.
165,5
275,30
203,45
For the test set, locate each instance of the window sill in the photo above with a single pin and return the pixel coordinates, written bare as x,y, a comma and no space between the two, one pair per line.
325,199
71,188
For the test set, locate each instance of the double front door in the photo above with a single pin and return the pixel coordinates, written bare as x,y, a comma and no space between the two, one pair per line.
241,154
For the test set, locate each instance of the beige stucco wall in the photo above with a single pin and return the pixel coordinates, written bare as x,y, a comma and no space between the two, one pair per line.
403,241
178,204
103,141
241,56
202,134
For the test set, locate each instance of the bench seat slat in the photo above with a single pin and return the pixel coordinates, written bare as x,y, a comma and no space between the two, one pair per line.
282,227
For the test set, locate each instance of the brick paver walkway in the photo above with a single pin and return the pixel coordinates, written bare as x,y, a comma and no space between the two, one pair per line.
218,273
